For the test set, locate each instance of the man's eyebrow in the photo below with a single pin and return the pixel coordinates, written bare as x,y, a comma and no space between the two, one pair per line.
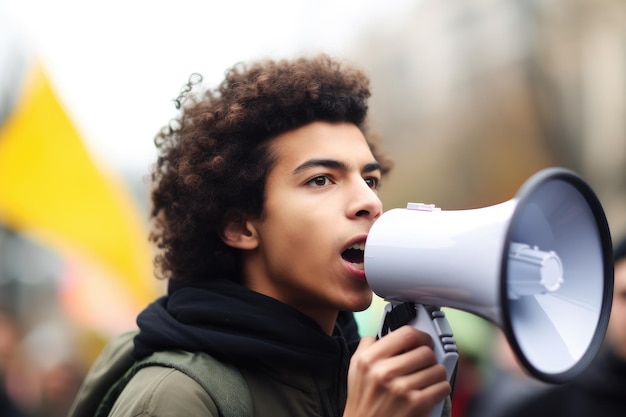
327,163
334,164
374,166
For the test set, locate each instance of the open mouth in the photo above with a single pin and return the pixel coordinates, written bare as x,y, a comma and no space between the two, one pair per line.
354,255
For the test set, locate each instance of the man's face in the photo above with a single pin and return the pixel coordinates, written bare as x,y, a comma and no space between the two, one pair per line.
616,334
320,202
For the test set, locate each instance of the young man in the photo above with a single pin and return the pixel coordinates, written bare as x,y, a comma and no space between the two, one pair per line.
264,192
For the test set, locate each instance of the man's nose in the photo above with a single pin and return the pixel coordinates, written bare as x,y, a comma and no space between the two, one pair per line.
365,203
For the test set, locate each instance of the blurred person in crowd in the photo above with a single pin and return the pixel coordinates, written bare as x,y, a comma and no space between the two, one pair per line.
58,386
264,191
467,383
47,371
505,383
10,337
600,390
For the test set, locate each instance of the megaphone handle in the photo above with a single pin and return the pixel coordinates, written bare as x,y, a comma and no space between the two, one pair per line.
431,320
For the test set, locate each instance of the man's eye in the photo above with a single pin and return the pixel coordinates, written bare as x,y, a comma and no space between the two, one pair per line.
319,181
372,182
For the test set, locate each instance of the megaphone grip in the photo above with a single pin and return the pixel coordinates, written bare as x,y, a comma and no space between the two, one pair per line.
441,323
431,320
398,315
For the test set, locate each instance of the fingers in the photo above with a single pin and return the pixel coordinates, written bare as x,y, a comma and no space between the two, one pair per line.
414,370
408,363
403,351
423,380
421,402
396,375
394,343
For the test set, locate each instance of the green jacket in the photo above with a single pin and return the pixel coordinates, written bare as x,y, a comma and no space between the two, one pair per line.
159,391
166,392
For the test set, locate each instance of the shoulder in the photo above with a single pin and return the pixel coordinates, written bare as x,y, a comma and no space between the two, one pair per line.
158,391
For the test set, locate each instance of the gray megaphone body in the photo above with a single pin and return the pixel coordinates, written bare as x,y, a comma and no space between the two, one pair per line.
539,266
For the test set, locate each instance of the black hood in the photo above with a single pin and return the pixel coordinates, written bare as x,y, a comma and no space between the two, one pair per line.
234,324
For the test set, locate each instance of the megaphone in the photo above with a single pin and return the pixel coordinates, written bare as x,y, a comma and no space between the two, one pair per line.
539,266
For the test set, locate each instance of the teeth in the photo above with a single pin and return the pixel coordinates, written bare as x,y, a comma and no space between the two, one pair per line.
358,247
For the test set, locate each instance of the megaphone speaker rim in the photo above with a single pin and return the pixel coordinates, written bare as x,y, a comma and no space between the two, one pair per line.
524,195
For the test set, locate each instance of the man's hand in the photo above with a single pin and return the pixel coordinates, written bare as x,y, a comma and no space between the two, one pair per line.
397,376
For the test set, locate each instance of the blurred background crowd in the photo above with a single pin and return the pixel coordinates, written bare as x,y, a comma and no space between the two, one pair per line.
471,98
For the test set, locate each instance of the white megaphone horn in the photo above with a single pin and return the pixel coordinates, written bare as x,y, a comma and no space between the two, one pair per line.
539,266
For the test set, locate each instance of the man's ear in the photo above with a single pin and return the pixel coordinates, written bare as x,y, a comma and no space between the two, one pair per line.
239,233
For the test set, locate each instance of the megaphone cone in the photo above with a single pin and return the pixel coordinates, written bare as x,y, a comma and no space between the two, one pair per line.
539,266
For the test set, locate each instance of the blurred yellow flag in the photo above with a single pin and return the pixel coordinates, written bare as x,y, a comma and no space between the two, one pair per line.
51,188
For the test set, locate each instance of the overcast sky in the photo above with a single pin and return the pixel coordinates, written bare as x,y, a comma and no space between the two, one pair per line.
117,64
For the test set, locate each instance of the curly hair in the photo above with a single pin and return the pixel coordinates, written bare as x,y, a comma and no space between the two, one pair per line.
213,159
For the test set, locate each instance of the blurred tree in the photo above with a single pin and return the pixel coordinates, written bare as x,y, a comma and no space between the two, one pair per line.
476,96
